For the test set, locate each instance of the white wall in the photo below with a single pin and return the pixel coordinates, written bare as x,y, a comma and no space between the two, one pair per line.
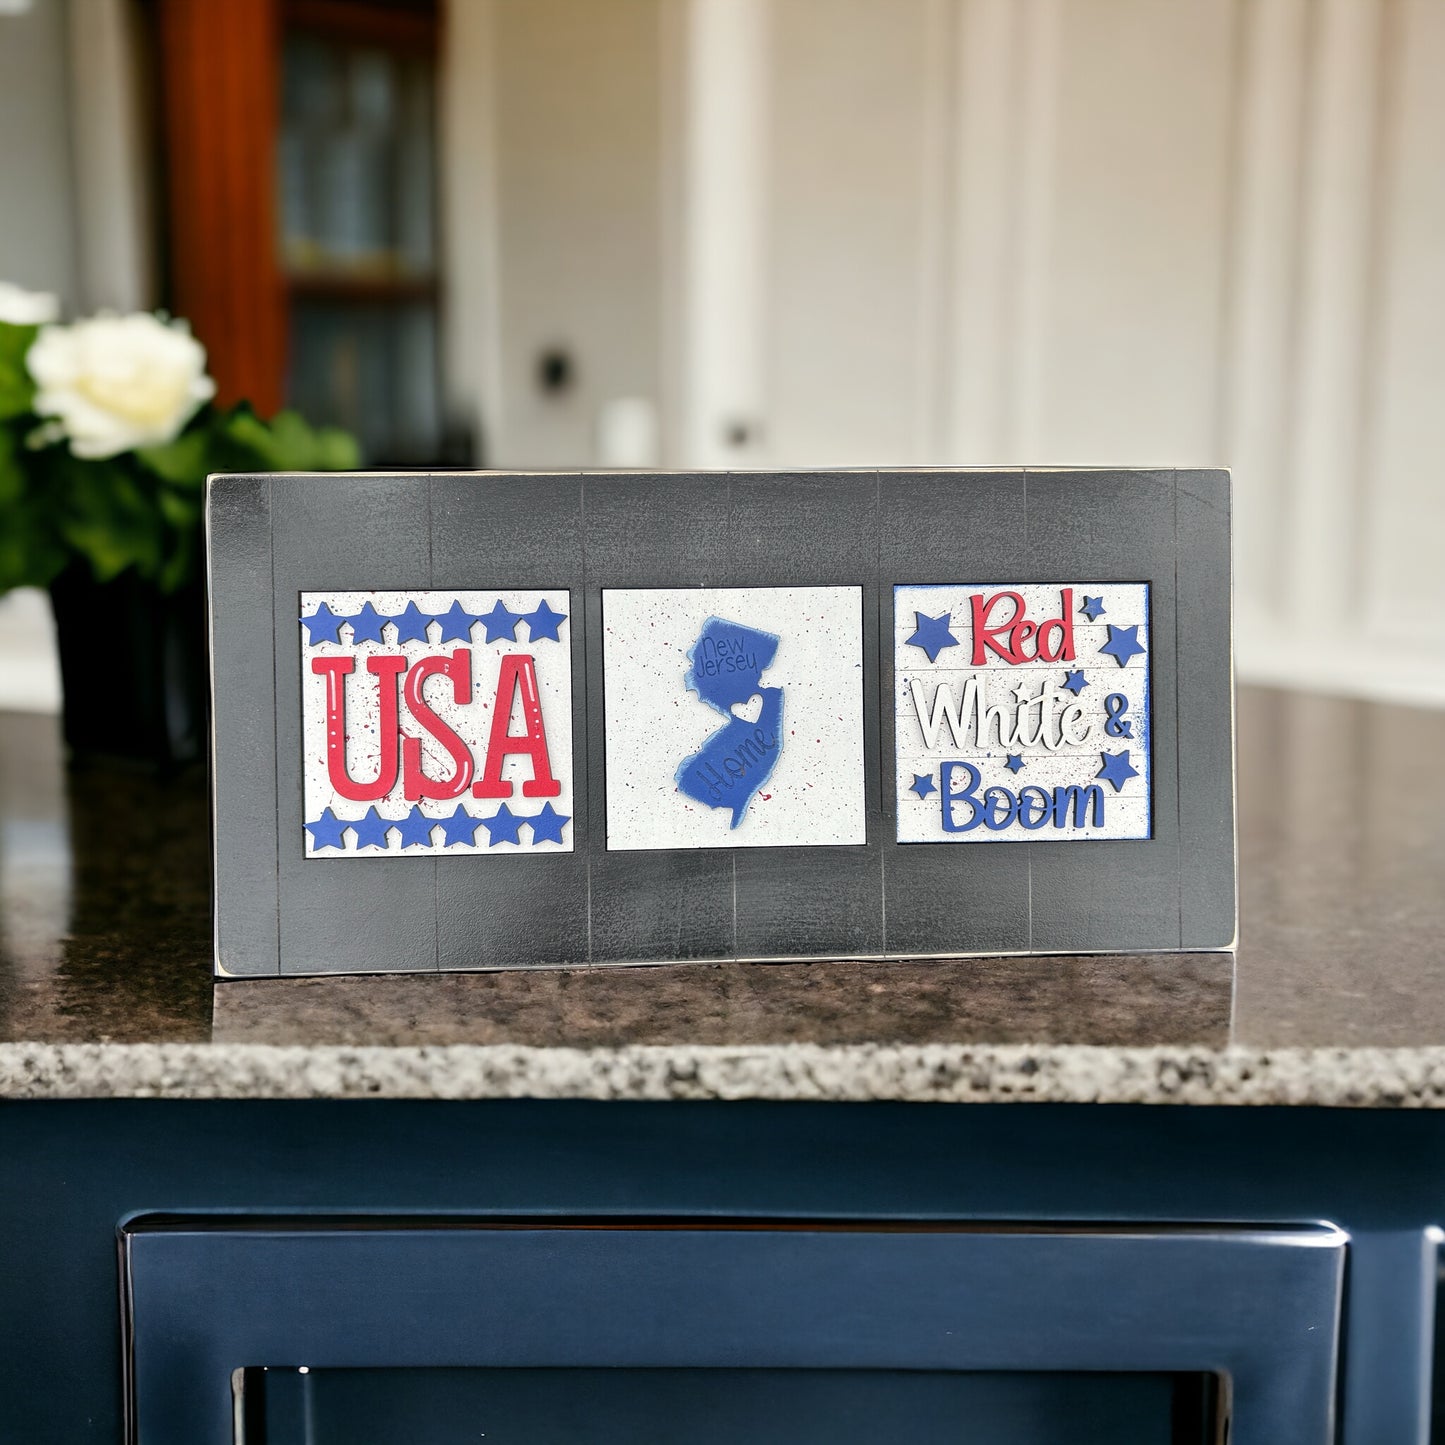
1123,231
37,220
74,217
75,188
37,251
1401,542
1019,231
554,227
112,90
846,340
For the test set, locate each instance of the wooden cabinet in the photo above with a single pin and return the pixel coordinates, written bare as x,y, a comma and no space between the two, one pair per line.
300,203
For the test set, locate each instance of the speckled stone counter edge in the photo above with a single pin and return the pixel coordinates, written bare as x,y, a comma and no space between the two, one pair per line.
1329,1078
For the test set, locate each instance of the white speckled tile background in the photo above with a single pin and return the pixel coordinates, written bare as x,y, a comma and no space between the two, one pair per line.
815,793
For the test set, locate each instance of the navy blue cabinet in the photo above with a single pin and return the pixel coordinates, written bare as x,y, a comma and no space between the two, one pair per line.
783,1305
925,1260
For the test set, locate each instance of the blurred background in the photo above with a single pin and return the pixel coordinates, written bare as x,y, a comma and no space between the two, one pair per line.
794,233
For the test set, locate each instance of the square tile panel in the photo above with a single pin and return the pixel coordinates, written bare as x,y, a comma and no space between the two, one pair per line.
436,723
1022,712
734,716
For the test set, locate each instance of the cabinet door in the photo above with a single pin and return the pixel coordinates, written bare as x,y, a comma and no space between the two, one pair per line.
798,1313
724,1407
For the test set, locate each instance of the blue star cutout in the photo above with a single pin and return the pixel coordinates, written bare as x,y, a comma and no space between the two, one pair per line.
415,828
1075,681
1123,643
503,826
1015,762
547,825
1117,769
323,625
366,625
923,784
371,831
1092,608
500,623
461,827
411,624
456,623
932,634
326,831
542,622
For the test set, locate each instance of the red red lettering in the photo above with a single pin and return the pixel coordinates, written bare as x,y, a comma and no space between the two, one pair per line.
518,671
335,670
1053,639
985,636
415,783
1064,651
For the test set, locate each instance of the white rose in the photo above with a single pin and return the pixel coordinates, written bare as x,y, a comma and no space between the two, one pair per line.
115,383
19,307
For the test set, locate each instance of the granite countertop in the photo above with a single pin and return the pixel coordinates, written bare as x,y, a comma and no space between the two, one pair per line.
1333,998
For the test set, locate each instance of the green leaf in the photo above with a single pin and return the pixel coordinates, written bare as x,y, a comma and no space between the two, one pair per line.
31,552
291,441
336,450
105,548
17,391
141,510
181,510
245,431
12,474
180,566
288,444
183,462
110,520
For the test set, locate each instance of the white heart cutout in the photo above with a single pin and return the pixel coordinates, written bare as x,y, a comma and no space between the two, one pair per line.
749,711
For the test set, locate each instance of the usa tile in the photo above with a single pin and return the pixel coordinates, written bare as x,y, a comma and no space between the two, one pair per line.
436,723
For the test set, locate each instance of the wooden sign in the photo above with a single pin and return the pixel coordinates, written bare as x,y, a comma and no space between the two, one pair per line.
483,721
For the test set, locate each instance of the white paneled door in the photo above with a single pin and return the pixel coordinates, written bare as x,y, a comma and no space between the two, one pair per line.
1095,232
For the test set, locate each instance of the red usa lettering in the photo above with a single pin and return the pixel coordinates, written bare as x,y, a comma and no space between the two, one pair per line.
401,751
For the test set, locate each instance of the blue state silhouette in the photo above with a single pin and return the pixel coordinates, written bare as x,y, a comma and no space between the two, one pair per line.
728,662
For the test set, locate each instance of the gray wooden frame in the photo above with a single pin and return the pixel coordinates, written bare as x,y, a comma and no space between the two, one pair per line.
1260,1307
271,537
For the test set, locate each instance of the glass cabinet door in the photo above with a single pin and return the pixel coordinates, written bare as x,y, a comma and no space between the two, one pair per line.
356,174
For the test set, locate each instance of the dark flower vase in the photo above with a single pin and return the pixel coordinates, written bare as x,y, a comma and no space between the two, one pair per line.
133,669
